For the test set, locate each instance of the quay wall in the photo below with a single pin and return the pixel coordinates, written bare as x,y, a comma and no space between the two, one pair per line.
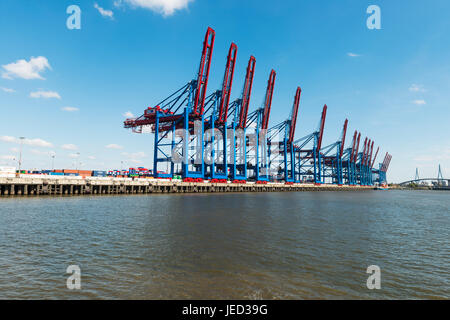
110,186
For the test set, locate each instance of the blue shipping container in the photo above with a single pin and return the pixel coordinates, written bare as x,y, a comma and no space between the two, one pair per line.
99,173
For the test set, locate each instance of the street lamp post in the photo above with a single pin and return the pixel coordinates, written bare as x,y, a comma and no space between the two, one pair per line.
53,162
77,161
20,154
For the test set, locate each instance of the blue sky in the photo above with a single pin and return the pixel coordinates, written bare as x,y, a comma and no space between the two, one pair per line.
392,84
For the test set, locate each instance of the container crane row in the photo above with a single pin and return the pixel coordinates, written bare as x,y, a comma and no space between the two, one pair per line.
220,140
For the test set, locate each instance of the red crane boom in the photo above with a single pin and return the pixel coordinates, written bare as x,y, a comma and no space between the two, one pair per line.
247,92
388,163
268,100
375,158
294,114
203,73
344,133
227,83
370,155
384,161
366,158
355,156
363,159
322,126
353,146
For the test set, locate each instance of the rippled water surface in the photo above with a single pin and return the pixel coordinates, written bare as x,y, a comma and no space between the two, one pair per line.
227,246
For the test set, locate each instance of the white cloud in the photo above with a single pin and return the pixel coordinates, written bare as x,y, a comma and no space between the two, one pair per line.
416,88
91,157
353,55
419,102
31,142
69,109
38,143
74,155
164,7
103,12
45,94
128,114
14,149
113,146
69,146
8,139
26,69
39,152
135,155
8,157
8,90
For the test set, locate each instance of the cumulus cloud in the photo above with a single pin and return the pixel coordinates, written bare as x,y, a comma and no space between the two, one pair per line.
128,114
103,12
69,146
353,55
42,153
8,157
113,146
91,157
45,94
163,7
69,109
416,88
8,90
28,70
31,142
74,155
135,155
419,102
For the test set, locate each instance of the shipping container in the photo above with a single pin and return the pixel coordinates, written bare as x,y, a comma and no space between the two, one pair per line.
98,173
86,173
70,171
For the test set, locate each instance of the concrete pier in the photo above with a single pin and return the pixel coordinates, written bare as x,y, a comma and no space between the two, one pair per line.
110,186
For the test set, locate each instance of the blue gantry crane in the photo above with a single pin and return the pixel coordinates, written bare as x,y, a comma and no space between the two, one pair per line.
239,113
281,138
257,151
308,156
199,136
332,163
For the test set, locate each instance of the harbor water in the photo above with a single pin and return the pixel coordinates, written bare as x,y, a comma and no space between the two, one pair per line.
291,245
